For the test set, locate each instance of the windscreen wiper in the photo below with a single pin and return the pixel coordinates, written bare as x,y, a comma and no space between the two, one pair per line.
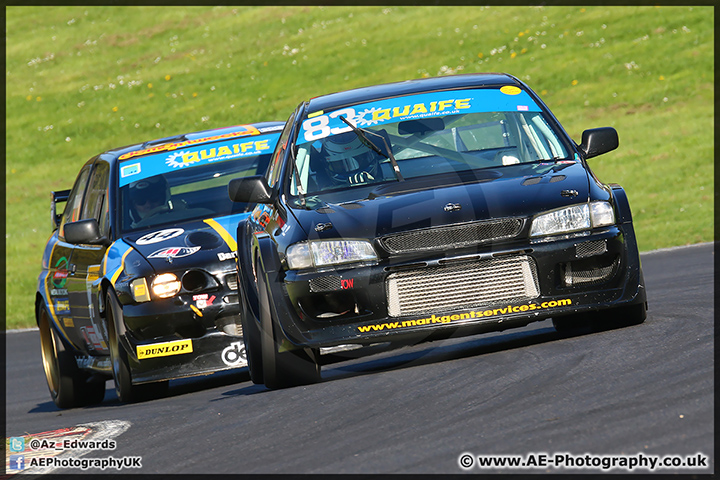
363,138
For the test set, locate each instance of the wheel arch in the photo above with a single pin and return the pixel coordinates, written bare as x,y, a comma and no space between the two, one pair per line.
106,287
40,301
622,204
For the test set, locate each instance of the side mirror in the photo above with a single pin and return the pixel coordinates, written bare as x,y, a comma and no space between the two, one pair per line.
84,232
250,190
597,141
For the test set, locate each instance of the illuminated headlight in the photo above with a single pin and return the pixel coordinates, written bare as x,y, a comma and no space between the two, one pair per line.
165,285
573,219
329,252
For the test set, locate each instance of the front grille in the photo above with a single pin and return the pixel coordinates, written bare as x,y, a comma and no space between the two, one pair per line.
590,249
327,283
463,286
454,236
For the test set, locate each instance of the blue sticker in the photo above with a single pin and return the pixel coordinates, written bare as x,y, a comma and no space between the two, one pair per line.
196,155
413,107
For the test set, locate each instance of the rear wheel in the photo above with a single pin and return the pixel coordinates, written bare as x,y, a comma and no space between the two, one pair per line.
282,368
69,386
126,391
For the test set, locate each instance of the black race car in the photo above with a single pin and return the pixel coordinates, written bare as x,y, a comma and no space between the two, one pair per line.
138,279
424,209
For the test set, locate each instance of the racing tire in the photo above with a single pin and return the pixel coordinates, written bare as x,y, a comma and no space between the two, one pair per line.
575,323
601,320
282,368
69,386
251,338
126,391
621,317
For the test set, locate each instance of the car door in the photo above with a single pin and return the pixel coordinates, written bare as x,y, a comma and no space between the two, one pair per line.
263,213
59,270
85,263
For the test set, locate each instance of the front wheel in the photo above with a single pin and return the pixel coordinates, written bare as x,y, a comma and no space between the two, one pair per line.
69,386
600,320
282,368
621,317
126,391
251,337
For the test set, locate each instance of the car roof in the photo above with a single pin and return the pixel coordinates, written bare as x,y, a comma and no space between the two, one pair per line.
359,95
114,153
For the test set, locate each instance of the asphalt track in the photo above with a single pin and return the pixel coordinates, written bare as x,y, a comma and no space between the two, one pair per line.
644,390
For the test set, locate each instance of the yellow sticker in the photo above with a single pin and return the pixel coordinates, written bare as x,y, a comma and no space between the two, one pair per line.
510,90
68,322
140,290
93,273
164,349
315,114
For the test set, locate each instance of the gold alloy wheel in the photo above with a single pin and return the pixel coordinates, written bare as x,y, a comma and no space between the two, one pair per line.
49,354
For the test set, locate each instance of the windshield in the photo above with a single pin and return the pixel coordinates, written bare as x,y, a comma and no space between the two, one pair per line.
427,134
190,182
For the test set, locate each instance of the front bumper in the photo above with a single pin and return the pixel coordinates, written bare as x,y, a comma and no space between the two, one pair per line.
187,335
173,358
579,273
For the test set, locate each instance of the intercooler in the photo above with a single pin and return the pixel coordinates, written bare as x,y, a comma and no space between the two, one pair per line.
462,286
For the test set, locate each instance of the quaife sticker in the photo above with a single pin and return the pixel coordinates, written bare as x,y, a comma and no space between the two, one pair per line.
169,160
165,349
413,107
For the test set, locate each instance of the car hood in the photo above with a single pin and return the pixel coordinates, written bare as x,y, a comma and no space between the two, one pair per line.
515,191
205,243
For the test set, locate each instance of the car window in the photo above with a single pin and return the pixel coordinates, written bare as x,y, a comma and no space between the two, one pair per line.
190,182
74,203
428,134
96,192
273,172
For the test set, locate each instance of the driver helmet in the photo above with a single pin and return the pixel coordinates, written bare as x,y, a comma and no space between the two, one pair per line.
150,193
347,160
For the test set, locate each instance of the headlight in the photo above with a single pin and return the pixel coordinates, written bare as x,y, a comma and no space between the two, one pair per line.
329,252
573,219
601,214
165,285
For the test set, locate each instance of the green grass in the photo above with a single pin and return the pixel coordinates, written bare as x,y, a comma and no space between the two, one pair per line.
81,80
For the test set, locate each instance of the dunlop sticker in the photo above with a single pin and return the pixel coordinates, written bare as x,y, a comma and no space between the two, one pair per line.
164,349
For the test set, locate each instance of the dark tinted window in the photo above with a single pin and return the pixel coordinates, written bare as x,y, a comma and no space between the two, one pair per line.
95,205
74,204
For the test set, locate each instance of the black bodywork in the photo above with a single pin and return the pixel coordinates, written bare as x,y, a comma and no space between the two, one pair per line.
97,315
454,250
